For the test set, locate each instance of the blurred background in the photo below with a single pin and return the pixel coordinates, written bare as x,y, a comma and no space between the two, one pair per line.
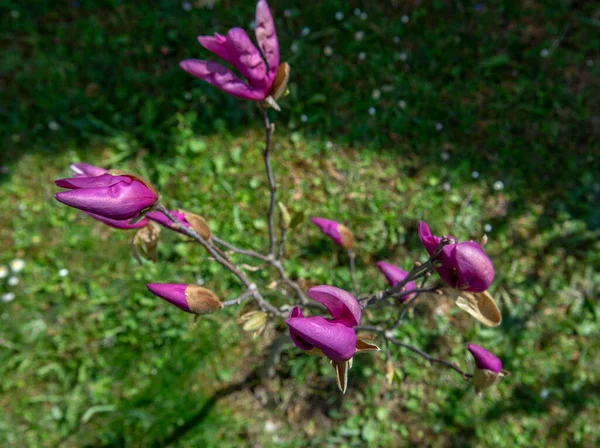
480,117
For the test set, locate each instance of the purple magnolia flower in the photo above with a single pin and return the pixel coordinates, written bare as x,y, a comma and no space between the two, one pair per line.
488,368
335,337
465,265
236,48
117,197
189,298
395,275
118,224
336,231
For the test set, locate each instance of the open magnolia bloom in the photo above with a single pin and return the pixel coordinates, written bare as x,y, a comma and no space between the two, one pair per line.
395,275
334,338
480,305
267,80
488,368
339,233
464,265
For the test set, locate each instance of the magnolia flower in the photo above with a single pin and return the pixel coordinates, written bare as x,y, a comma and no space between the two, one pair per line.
395,275
334,338
464,266
336,231
185,219
189,298
267,79
120,224
488,368
117,196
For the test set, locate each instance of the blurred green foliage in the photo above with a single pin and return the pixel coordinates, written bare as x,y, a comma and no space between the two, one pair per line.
482,122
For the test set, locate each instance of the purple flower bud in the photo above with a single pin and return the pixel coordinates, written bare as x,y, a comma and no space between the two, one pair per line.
122,225
189,298
334,337
118,197
395,275
185,219
336,231
237,49
464,265
484,360
87,170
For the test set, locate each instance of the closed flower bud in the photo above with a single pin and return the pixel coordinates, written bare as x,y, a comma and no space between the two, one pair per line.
284,216
395,275
190,298
336,231
488,368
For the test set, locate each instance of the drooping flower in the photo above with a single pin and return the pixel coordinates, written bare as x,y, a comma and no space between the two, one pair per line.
336,231
266,77
189,298
117,196
334,338
395,275
488,368
185,219
464,266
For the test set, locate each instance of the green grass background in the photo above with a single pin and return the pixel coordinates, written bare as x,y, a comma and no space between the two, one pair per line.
90,359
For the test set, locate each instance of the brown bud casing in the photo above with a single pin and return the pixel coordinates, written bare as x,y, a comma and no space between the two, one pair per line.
197,223
201,300
346,236
281,80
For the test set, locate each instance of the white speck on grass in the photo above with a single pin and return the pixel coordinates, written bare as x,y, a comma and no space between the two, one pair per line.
362,55
589,62
270,426
63,272
498,185
327,51
475,174
439,126
339,15
22,207
445,156
3,272
53,126
252,25
359,35
329,144
287,13
363,16
357,12
13,281
402,104
545,53
376,94
294,48
305,31
17,265
396,39
403,56
544,393
405,19
8,297
187,6
372,110
187,96
487,228
303,118
446,186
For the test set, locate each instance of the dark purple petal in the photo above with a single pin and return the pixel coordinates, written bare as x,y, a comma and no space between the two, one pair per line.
247,59
221,78
104,180
429,241
484,359
121,201
474,269
218,45
267,37
395,275
171,292
296,337
329,228
117,224
336,340
342,305
85,169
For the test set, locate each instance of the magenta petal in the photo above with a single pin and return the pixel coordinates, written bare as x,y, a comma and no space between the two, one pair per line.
267,37
120,201
123,225
429,241
342,305
329,228
221,78
85,169
395,275
474,269
171,292
484,359
296,337
247,59
104,180
161,218
336,340
218,45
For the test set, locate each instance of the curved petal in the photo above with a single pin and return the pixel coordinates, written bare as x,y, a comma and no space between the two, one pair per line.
395,275
171,292
161,218
246,58
120,201
336,340
117,224
447,270
85,169
329,228
429,241
266,37
484,359
104,180
342,305
222,78
474,269
217,45
297,337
